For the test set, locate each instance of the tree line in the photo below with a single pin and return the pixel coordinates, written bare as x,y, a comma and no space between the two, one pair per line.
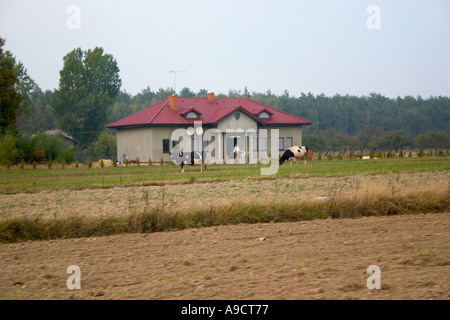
89,96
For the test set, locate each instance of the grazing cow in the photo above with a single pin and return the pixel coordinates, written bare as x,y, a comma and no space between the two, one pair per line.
190,158
294,153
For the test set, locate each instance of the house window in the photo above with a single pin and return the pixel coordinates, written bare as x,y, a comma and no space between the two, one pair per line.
255,144
280,144
166,146
264,115
191,115
289,142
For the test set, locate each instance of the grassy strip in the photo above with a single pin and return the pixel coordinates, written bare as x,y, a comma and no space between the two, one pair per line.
158,219
29,180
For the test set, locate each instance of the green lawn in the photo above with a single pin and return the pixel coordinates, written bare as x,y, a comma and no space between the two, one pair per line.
28,179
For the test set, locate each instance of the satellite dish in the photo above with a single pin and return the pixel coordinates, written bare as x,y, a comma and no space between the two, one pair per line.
190,131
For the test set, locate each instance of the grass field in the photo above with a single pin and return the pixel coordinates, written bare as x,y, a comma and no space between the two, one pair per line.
72,202
17,180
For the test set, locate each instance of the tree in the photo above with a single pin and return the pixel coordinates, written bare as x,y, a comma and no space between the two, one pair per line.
433,139
104,146
187,93
10,99
396,140
29,90
89,83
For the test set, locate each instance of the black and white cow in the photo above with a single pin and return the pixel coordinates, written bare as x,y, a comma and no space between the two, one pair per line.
294,153
190,158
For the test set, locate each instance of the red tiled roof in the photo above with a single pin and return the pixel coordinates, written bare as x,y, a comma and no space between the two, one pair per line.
209,113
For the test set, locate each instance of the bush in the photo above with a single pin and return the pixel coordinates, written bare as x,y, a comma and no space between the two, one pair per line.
149,161
319,157
421,153
77,163
102,164
401,155
138,163
114,162
9,152
162,161
22,163
104,146
34,164
55,148
49,164
329,157
90,163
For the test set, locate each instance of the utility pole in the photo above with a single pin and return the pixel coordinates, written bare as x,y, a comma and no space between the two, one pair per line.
174,82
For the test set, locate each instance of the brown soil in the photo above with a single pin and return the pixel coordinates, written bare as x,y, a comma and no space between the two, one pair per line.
320,259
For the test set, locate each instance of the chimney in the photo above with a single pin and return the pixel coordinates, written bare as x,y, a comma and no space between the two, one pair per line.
173,102
211,97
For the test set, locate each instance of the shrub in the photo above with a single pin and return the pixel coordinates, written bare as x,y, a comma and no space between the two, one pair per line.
138,163
77,163
319,157
34,164
104,146
114,162
339,156
63,164
55,148
22,163
371,154
126,162
102,164
49,164
149,161
9,152
329,157
162,161
400,155
90,163
351,155
421,153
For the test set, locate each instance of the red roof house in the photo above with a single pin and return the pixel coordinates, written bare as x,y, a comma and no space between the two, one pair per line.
146,134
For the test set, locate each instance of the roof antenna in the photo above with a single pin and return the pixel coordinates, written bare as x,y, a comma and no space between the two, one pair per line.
174,73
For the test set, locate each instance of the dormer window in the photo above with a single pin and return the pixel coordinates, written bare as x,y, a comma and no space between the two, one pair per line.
264,115
191,115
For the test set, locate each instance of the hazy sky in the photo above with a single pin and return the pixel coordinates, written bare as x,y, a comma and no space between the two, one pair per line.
394,48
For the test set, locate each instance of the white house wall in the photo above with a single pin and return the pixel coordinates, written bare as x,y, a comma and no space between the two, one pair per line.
145,143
